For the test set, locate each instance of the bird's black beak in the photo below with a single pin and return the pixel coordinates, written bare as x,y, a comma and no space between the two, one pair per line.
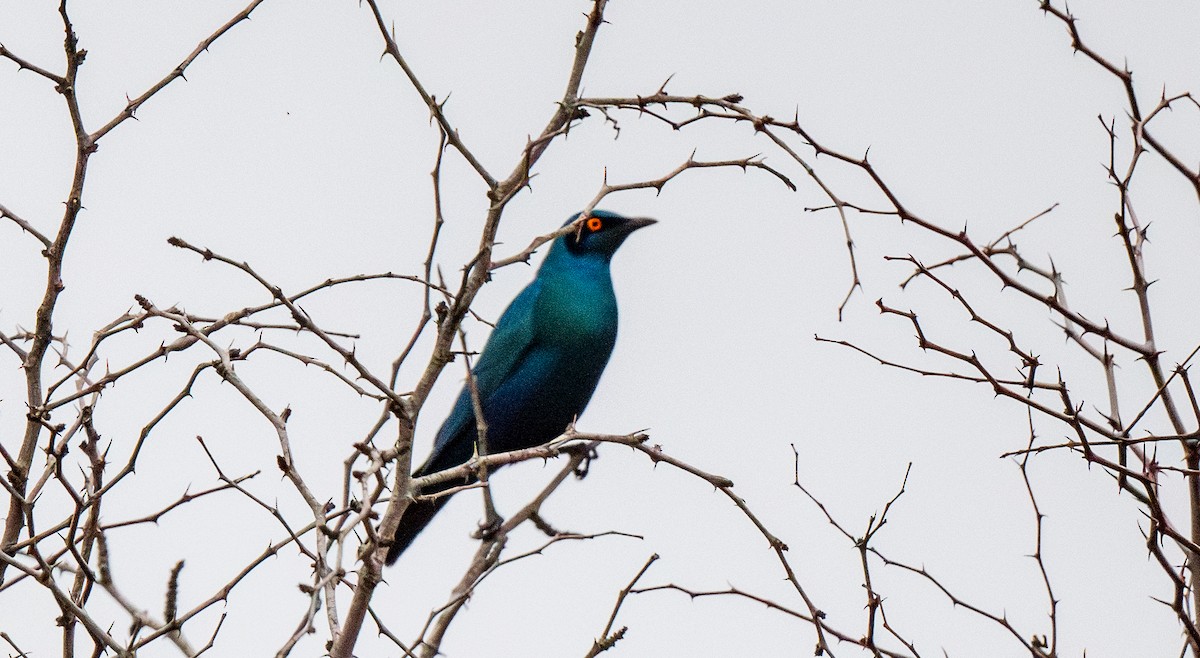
634,223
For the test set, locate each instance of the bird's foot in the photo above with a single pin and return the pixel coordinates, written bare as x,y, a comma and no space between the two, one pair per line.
488,528
584,467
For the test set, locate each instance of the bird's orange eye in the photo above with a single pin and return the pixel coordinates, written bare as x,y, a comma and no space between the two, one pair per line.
594,224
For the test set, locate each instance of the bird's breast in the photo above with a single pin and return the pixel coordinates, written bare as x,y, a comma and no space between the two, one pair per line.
579,315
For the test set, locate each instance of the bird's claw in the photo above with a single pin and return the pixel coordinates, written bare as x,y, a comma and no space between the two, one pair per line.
488,528
584,467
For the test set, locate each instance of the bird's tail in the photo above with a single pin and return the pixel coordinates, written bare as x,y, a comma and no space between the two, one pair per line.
416,517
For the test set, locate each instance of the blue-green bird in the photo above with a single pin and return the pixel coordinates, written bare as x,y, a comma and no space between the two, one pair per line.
542,362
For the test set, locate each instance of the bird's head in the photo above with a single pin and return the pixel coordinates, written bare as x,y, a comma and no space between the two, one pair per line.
600,232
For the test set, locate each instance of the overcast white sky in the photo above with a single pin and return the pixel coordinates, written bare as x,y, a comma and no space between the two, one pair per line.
294,146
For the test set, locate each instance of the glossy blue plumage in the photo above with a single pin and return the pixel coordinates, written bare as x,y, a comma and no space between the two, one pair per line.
542,362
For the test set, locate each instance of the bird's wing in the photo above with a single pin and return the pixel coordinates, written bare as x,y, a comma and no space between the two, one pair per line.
503,353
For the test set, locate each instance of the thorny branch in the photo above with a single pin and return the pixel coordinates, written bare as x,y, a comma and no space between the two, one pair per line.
20,515
1136,463
377,485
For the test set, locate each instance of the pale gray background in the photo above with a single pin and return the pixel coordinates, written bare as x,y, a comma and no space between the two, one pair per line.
294,146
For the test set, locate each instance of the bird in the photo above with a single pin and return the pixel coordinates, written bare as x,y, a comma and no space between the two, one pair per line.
540,365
